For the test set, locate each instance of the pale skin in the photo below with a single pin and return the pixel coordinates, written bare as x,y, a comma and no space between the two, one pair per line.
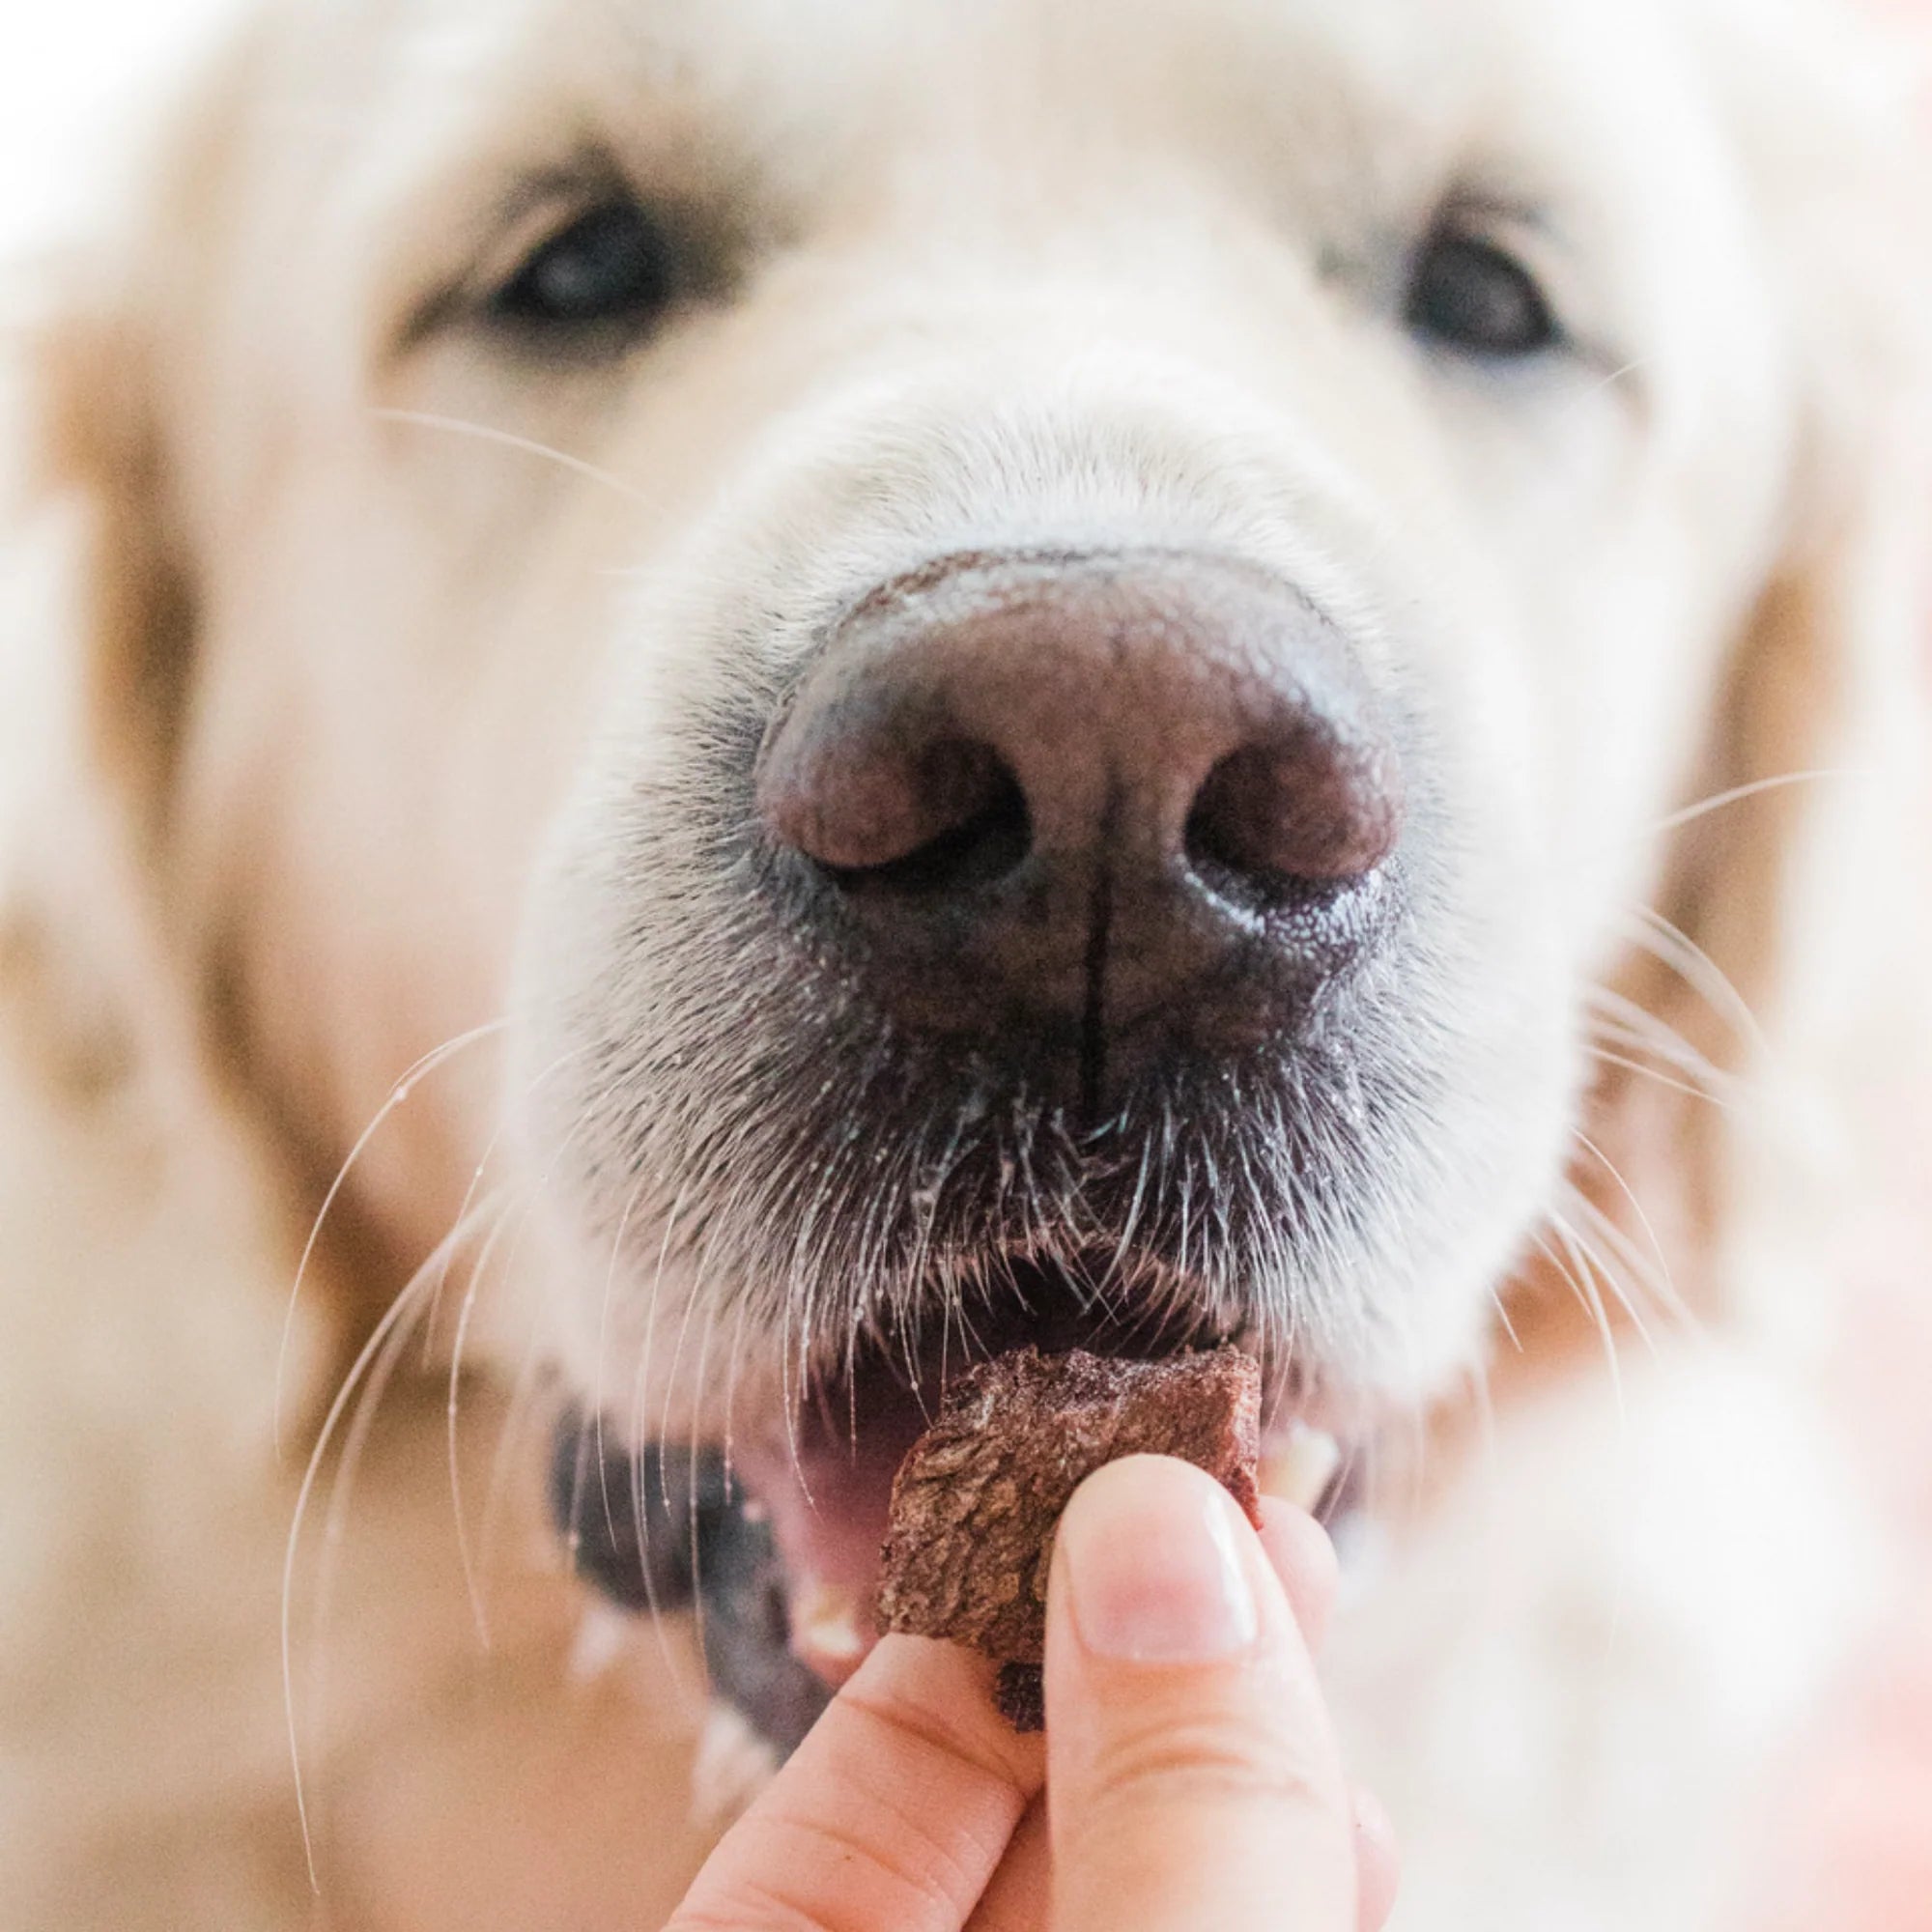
1189,1776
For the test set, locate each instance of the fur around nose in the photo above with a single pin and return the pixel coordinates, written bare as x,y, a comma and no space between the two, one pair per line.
1084,782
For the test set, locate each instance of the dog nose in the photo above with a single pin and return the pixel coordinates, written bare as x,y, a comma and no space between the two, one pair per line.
1088,789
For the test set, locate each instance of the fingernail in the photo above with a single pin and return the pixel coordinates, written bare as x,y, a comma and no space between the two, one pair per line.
1155,1568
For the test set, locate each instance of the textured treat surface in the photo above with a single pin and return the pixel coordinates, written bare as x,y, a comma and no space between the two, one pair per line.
976,1501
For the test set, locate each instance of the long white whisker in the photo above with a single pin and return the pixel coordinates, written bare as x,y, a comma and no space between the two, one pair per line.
1625,1023
1501,1306
690,1694
509,440
604,1350
1737,794
1678,950
1594,1270
1604,1055
465,1556
1673,1301
529,1367
1592,1303
472,1296
398,1093
355,1440
1663,1291
523,1390
372,1348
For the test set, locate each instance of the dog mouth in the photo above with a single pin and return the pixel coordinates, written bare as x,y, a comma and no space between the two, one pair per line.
773,1535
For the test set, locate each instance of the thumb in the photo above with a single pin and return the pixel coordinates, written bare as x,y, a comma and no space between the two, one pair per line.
1192,1776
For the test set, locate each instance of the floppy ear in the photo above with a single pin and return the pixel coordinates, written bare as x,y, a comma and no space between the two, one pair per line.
101,578
108,380
106,593
1805,896
132,611
99,609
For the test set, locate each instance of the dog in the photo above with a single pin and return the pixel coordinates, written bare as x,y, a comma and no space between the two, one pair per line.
715,706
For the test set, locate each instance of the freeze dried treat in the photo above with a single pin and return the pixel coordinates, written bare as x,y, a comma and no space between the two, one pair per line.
976,1501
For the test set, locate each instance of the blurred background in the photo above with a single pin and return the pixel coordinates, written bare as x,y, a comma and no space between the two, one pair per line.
69,70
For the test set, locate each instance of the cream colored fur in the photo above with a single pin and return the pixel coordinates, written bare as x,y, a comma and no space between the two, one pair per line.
313,717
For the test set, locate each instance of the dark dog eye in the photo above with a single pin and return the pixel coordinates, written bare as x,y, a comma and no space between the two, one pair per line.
1470,295
611,270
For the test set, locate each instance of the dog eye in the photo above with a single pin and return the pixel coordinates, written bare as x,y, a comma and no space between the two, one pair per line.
611,270
1471,295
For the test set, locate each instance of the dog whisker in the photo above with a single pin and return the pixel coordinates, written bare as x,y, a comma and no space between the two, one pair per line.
472,1299
690,1694
362,1423
1662,1289
402,1311
508,439
1597,1270
697,1604
1622,1021
1500,1304
672,1377
466,1555
1691,1072
1603,1056
519,1413
398,1094
1592,1304
1738,794
604,1304
1662,1286
1683,955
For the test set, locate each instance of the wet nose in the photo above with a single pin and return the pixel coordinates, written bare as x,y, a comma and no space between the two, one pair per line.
1089,791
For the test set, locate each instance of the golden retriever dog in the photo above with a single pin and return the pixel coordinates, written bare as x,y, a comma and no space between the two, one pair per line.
709,706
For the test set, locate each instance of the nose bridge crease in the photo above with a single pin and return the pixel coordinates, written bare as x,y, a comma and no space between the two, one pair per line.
1099,937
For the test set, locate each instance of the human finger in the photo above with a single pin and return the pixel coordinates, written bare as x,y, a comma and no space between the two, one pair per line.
890,1818
1304,1559
1193,1777
1022,1892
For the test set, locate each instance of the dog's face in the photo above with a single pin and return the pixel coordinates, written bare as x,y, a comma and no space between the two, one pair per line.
1040,646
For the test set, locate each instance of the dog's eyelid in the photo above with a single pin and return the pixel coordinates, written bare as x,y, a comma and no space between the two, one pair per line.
538,213
485,244
1489,279
699,254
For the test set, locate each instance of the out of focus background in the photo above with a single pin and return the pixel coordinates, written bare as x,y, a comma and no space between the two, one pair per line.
70,70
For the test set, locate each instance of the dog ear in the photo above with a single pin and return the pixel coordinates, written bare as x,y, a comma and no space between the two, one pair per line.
113,349
105,617
1778,973
133,613
108,365
140,924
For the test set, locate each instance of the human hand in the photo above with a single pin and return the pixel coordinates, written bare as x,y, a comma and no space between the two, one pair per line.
1193,1776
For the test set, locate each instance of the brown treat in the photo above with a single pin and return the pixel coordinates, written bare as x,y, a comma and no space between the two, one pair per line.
976,1501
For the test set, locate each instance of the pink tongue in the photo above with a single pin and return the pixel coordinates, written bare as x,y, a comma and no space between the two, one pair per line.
826,1502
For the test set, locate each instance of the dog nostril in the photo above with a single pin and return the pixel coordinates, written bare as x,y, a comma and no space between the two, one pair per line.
976,824
1298,812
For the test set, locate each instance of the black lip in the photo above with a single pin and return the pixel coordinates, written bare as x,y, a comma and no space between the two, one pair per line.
666,1528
